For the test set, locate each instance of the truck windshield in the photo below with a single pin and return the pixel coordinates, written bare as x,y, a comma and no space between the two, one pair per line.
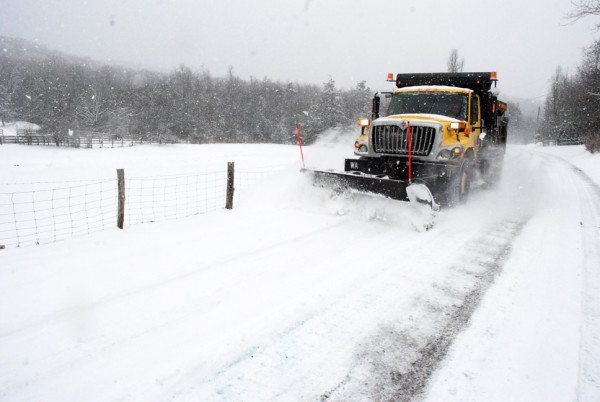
449,104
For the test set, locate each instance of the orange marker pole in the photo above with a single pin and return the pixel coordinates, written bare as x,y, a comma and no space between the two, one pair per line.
300,143
408,140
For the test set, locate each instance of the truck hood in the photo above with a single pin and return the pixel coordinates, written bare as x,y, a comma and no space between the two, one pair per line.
422,116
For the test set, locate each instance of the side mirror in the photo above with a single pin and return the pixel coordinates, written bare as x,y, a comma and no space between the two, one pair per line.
375,107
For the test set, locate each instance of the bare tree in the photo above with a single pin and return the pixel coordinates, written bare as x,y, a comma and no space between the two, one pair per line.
92,110
5,109
455,64
585,8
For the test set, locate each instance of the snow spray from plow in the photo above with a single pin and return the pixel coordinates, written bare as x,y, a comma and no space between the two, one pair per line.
413,192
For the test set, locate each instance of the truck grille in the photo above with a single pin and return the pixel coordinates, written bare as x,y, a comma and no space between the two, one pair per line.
391,139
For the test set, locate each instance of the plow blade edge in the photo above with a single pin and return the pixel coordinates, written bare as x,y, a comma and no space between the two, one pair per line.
416,193
395,189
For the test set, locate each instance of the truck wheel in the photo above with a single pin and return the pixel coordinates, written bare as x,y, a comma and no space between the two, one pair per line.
457,189
464,182
454,190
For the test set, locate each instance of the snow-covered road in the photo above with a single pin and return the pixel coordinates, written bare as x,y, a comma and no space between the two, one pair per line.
295,295
536,335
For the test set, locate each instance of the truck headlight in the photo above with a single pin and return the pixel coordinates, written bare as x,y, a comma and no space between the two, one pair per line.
360,147
445,154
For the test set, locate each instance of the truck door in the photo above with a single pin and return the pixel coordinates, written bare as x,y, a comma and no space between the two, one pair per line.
381,102
475,120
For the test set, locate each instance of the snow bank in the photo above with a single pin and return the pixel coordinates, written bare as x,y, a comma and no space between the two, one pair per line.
578,156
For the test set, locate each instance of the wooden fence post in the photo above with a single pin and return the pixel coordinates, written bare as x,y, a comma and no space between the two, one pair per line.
230,173
121,198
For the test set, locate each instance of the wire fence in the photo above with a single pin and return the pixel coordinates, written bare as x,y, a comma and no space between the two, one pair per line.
43,216
53,214
163,198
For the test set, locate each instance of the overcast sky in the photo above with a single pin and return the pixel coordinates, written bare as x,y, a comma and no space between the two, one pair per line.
310,40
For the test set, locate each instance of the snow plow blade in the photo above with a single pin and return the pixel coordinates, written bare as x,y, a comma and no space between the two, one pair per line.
417,193
395,189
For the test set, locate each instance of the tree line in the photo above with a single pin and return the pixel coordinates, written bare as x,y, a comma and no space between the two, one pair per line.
61,92
572,107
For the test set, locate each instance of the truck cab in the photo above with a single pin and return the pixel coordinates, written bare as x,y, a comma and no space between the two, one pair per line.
444,120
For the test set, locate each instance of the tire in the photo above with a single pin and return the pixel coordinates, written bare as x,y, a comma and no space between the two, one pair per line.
456,191
464,182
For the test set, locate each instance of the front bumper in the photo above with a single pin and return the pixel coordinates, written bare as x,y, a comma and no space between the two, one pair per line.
396,168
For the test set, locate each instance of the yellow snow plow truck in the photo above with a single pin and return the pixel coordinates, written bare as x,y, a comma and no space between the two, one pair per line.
428,140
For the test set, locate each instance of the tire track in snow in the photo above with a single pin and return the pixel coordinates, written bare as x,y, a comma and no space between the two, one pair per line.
255,351
397,362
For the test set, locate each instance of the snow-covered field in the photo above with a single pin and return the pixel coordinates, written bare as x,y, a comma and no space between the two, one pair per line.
295,295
